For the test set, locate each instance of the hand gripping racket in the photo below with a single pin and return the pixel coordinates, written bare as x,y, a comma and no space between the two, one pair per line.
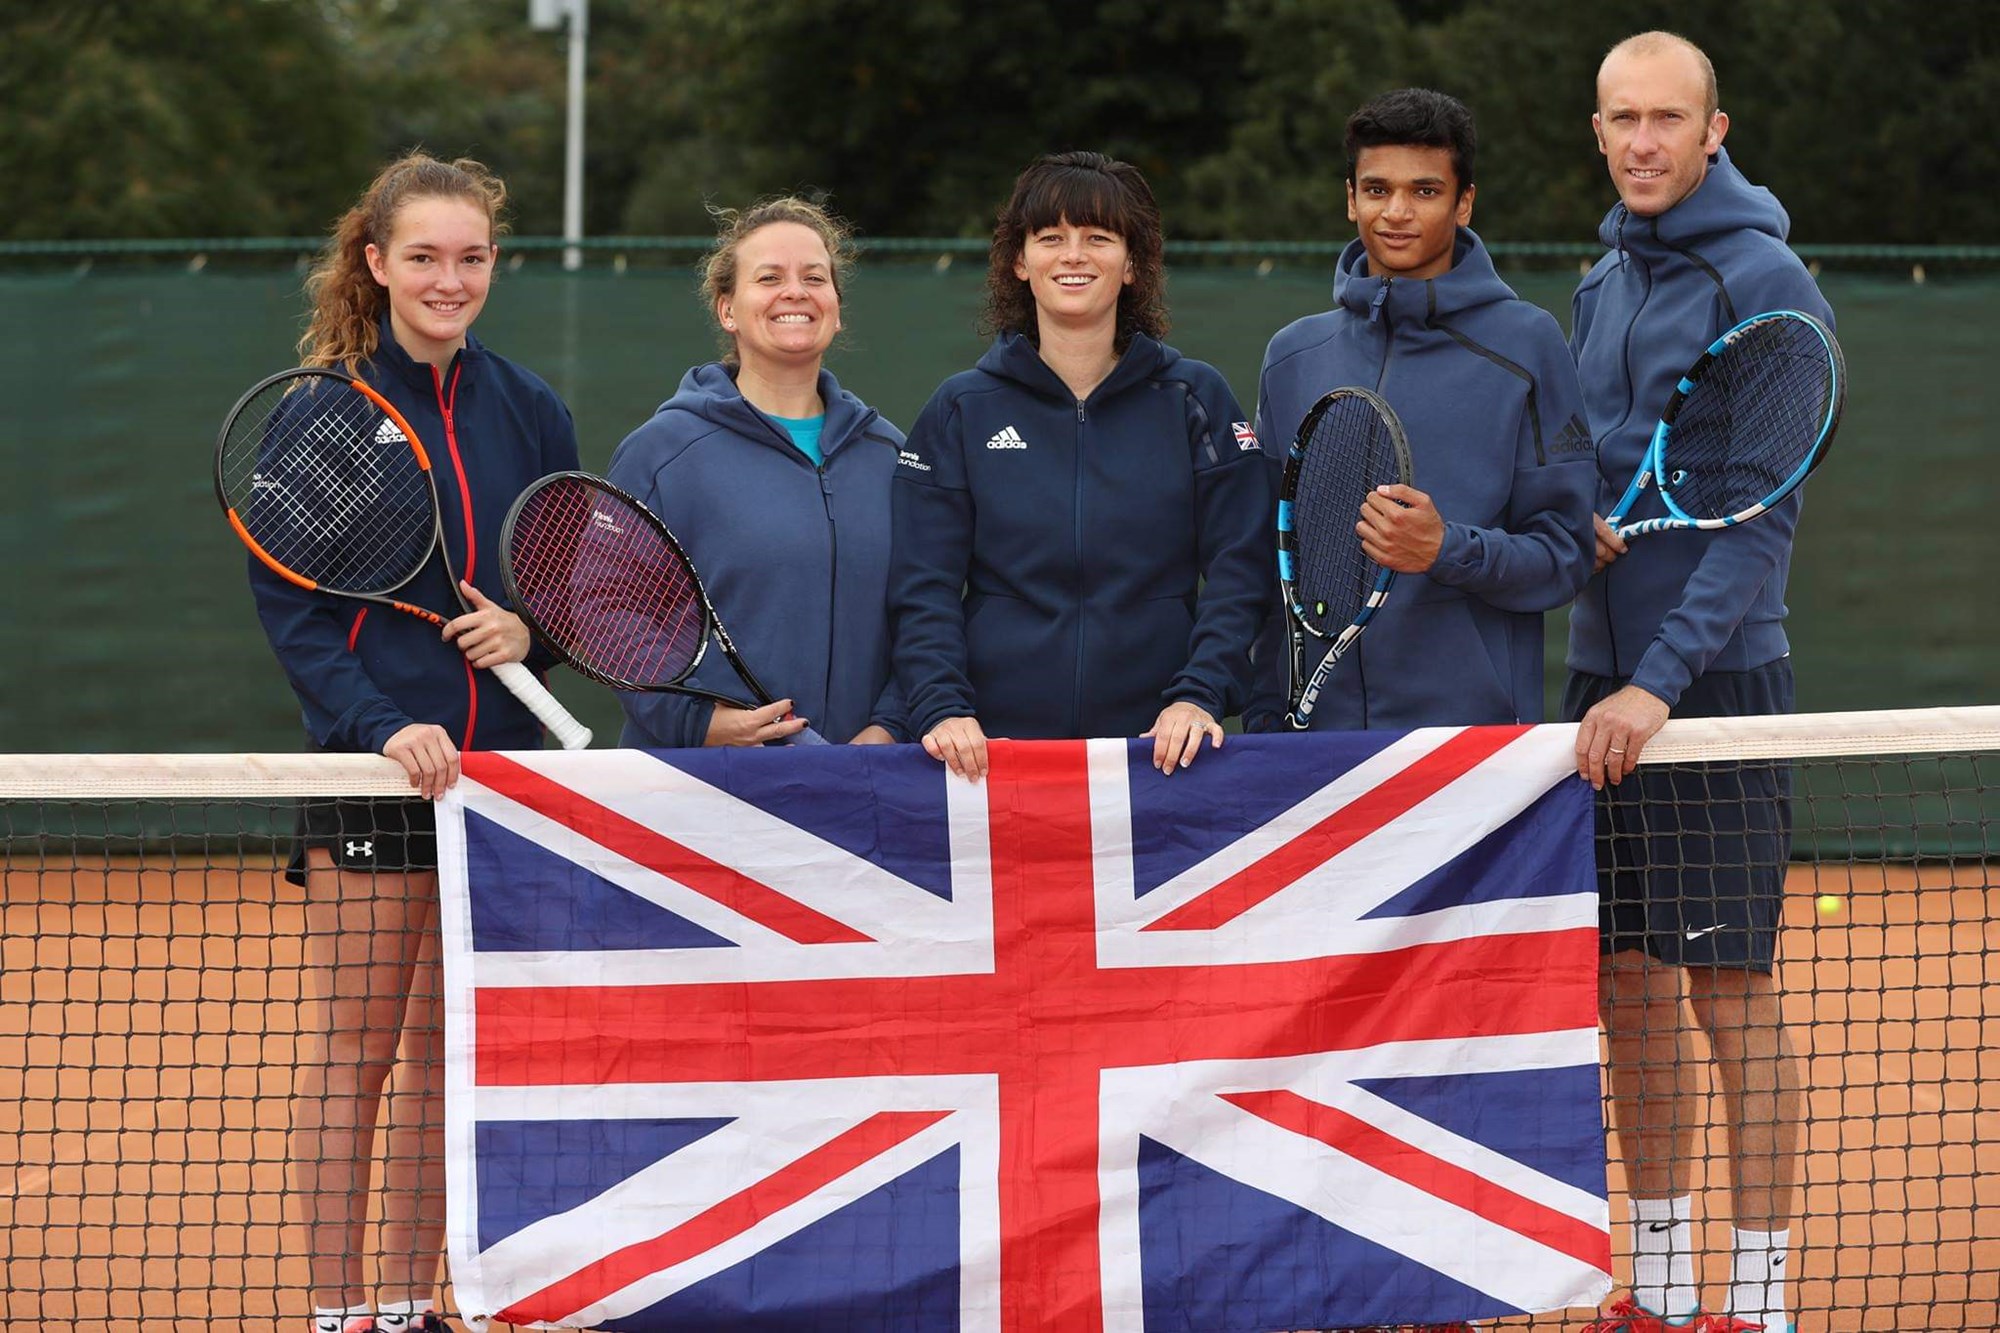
1349,443
600,579
328,485
1746,425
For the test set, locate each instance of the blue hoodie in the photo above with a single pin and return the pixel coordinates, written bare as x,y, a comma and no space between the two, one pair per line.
1680,603
1486,390
794,557
363,673
1069,568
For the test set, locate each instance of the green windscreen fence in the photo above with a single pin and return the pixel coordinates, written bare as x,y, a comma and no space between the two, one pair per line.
128,627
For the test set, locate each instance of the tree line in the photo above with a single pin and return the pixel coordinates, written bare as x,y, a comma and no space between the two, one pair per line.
1873,120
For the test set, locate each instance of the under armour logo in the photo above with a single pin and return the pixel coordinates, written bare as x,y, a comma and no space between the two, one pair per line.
361,848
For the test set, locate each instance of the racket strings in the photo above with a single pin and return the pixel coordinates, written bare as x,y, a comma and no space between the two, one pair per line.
329,486
1350,451
1752,419
605,585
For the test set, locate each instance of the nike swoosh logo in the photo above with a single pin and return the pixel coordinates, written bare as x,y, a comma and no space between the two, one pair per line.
1659,1226
1697,934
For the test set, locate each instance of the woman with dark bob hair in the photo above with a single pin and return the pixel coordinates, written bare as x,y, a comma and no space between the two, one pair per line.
1082,536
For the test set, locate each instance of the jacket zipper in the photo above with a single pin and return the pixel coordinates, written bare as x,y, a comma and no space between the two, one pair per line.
1076,519
832,587
445,405
1631,401
1378,313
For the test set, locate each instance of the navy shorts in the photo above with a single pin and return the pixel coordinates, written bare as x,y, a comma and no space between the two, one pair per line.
1691,857
391,834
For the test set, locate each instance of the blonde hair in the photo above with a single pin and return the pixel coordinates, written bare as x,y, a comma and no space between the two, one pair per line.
733,226
347,302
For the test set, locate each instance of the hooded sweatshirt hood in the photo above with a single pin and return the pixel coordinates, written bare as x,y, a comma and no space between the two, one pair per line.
709,392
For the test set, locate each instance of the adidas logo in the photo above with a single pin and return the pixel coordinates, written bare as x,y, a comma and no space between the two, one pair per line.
386,433
1574,438
1007,438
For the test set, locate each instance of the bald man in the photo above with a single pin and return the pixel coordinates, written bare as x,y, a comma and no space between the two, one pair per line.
1688,624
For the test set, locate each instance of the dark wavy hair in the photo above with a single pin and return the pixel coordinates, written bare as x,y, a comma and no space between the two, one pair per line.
1086,190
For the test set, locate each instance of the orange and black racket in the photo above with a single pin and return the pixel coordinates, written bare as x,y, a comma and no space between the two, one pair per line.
328,485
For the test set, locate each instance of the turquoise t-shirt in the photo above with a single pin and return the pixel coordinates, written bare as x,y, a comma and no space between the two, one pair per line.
805,432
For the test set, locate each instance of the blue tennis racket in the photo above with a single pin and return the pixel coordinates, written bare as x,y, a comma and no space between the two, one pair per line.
1745,427
1349,443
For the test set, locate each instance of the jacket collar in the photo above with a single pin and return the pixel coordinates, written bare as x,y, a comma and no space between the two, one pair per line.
1470,281
1014,357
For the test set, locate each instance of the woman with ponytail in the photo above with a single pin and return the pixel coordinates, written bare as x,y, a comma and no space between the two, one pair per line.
394,296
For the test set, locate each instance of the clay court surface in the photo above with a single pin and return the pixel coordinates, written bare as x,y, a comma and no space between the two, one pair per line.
146,1048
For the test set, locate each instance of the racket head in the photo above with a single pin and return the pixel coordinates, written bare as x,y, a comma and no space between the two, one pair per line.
599,578
1751,419
1350,442
326,483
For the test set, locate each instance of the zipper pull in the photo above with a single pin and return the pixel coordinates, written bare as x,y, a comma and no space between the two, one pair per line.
1381,298
1079,409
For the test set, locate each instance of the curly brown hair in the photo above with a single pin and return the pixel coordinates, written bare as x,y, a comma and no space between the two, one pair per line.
734,225
1086,190
347,302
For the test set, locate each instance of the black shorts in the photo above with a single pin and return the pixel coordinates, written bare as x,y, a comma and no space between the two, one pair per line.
1691,858
392,834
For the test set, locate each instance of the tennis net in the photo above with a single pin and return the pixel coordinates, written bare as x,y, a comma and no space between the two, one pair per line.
163,1006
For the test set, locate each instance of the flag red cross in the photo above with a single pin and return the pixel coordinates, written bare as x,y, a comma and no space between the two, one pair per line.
1048,1020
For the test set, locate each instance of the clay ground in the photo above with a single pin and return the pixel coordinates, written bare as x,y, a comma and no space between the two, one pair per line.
146,1050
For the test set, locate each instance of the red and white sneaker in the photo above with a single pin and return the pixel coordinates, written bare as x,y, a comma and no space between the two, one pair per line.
1626,1315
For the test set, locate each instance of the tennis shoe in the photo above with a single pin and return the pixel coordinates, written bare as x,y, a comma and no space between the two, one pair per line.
1626,1315
429,1321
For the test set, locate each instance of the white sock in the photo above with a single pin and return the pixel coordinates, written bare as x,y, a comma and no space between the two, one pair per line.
397,1316
1663,1256
1757,1269
333,1318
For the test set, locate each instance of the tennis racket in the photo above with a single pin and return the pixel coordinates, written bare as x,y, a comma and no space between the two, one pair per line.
328,485
600,579
1349,443
1747,424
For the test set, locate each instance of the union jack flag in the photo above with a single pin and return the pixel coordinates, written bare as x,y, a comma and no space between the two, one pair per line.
1301,1036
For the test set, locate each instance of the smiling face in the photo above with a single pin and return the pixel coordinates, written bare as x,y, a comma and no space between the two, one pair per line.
1654,127
784,308
436,268
1075,275
1405,202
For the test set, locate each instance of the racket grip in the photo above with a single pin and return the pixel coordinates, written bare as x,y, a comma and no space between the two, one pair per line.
572,734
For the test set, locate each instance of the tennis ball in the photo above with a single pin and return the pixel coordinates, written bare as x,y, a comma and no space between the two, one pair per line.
1829,903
